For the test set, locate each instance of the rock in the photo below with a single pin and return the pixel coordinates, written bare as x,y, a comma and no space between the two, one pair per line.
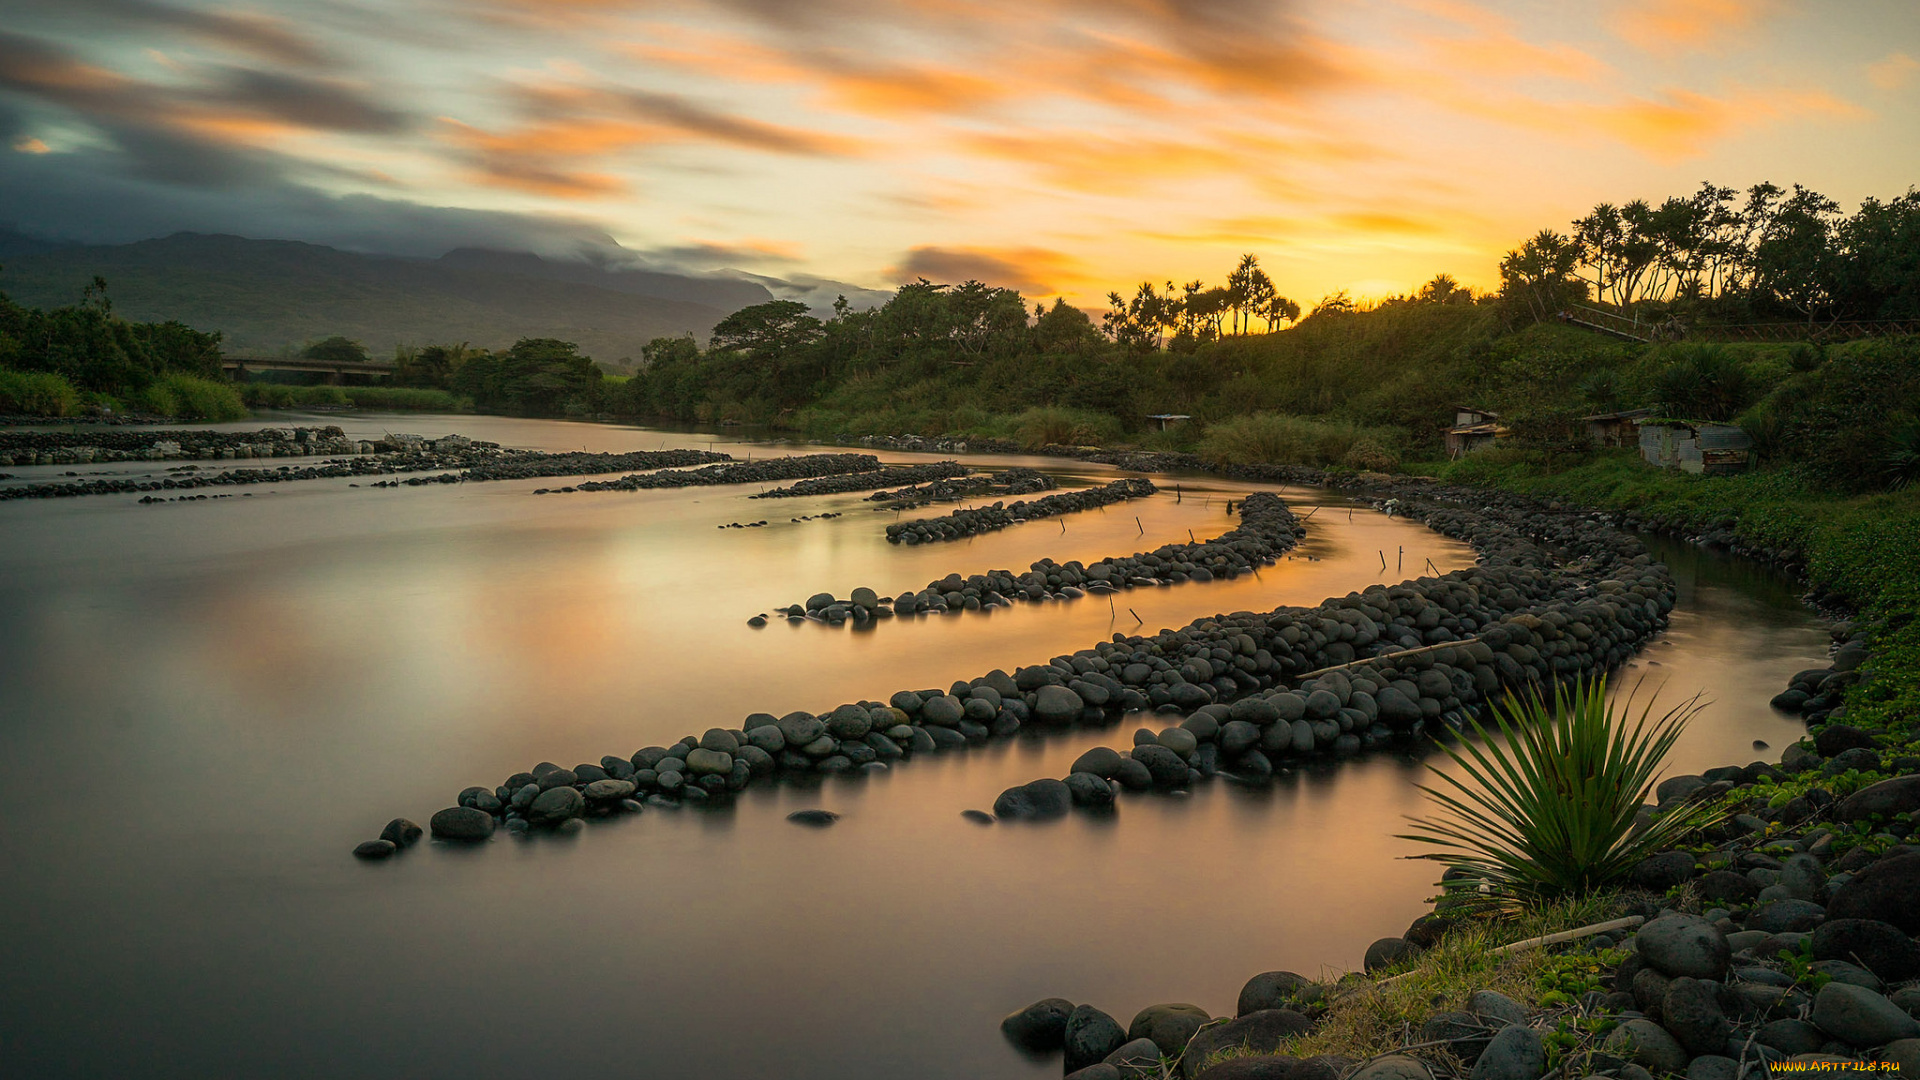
1790,1036
1089,790
1102,761
1782,916
375,849
1832,740
1884,892
1270,990
1900,795
1463,1032
1165,766
1133,775
606,791
1099,1070
1180,741
1802,876
1265,1067
1090,1036
1678,945
1859,1017
1041,1026
1134,1057
1035,801
1386,952
1691,1012
815,818
1880,947
1169,1027
1842,971
1261,1031
978,817
1496,1009
555,806
1057,705
1394,1067
1648,1045
463,823
1658,873
721,740
1516,1053
1904,1055
1713,1067
704,762
400,832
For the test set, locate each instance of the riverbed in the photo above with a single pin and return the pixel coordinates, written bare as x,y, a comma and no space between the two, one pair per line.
207,704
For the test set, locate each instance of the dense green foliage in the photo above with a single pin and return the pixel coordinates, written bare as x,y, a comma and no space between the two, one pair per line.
386,398
81,358
1550,808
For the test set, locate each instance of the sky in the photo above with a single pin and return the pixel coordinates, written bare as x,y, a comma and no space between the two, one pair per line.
1061,147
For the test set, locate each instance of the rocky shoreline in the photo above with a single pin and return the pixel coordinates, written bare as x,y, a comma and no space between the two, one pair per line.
764,471
1008,483
961,524
1785,942
883,477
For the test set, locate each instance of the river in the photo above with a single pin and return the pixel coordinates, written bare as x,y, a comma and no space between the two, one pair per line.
205,705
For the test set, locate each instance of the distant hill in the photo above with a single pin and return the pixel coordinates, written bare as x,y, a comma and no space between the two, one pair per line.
273,296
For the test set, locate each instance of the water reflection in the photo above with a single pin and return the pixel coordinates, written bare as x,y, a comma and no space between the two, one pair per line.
210,703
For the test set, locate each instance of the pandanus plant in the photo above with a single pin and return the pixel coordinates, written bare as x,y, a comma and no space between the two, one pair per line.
1552,806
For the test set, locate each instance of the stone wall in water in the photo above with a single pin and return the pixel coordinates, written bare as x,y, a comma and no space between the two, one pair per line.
1552,597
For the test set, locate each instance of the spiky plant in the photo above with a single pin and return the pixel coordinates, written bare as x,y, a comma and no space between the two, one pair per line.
1549,809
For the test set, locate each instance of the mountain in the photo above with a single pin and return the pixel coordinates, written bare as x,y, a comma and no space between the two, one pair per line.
271,296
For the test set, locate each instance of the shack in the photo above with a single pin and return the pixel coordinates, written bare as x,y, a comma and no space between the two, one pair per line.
1616,428
1695,446
1473,430
1164,421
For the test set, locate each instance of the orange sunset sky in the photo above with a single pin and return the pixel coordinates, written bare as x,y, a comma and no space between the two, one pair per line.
1059,146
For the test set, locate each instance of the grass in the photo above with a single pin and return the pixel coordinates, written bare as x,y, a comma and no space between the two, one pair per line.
395,398
1279,439
1367,1017
190,398
37,393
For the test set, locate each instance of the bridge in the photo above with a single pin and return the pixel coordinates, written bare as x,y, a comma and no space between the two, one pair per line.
238,367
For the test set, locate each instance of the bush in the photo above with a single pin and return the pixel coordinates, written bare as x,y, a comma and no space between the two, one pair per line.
1369,456
1552,806
191,398
1052,425
37,393
1278,439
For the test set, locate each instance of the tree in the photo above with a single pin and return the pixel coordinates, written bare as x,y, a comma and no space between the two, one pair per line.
1443,289
1794,259
775,326
1540,274
337,350
1064,328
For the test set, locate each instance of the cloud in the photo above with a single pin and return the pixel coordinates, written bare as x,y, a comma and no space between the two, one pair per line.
319,104
708,254
84,196
262,36
1030,270
1488,44
1667,27
1893,72
27,144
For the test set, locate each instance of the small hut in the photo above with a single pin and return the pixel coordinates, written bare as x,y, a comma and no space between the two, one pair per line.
1616,428
1473,430
1166,421
1695,446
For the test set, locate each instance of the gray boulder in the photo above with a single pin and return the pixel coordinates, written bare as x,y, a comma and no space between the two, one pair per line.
1102,761
1394,1067
555,806
1057,705
464,823
1169,1026
1089,790
1648,1045
1884,891
1678,945
1517,1053
1783,916
720,739
1880,947
1135,1057
1690,1011
1267,1067
1496,1009
1034,801
400,832
1900,795
1270,990
815,818
1387,952
375,849
1040,1026
1859,1017
1262,1032
1090,1036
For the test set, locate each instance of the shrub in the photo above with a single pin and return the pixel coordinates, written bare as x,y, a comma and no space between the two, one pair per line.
1279,439
1551,809
192,398
1052,425
1369,456
37,393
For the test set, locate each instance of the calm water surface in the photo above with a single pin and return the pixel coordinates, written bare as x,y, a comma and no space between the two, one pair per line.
204,706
